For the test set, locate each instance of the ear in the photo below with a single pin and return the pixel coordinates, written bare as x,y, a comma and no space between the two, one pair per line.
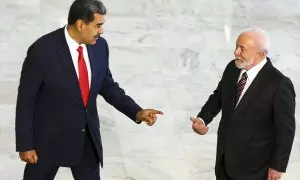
79,24
261,54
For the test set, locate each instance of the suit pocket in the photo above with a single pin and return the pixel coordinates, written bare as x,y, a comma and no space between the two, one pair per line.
259,143
257,154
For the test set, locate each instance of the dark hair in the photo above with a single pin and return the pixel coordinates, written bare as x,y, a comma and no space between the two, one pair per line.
85,10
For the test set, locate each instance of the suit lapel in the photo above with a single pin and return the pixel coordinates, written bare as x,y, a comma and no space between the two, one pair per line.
70,76
253,90
230,89
93,69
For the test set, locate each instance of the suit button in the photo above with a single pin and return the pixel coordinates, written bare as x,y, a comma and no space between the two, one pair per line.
86,110
83,130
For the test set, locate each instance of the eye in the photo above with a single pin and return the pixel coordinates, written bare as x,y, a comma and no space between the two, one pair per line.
98,25
243,49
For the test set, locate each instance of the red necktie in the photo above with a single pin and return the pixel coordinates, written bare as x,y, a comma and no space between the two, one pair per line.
83,77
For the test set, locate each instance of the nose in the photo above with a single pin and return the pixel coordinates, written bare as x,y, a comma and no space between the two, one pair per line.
237,51
101,30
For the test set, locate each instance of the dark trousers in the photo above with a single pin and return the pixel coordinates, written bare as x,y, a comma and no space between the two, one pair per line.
221,172
87,169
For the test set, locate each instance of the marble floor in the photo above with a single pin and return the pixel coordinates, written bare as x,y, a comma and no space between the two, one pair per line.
167,54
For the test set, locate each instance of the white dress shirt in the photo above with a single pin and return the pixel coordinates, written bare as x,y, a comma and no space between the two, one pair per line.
251,73
73,46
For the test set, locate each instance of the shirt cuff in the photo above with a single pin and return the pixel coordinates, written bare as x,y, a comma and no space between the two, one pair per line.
201,120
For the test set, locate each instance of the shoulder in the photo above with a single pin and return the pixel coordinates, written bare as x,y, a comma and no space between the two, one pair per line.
281,79
284,85
46,41
276,74
278,79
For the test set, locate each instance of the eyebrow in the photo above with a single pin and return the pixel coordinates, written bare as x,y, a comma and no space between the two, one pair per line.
241,46
100,24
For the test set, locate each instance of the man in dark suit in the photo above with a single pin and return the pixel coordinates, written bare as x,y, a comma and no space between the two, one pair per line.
257,126
56,115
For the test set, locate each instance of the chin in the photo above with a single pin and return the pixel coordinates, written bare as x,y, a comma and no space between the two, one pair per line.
92,42
239,65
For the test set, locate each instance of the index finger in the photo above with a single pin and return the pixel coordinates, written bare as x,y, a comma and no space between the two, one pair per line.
156,111
193,119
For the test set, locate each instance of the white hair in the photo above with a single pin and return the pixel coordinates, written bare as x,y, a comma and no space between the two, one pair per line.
264,42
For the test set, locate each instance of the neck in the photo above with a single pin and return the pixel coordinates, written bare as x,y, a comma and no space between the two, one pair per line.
255,62
73,33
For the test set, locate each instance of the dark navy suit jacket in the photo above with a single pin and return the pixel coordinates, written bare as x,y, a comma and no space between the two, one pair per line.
50,114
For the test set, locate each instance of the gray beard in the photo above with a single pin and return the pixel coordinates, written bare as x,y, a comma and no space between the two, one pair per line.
243,64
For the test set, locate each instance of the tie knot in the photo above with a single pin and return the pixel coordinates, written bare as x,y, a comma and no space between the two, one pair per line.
79,49
245,75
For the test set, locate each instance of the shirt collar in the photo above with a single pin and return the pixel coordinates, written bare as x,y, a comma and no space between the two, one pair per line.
70,41
251,73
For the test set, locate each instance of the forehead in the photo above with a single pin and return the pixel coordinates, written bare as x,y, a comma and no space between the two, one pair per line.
98,18
246,39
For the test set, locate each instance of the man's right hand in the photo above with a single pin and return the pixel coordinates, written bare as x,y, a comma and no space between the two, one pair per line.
29,156
198,126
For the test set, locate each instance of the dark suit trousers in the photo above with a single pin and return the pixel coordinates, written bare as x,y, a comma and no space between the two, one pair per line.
221,172
87,169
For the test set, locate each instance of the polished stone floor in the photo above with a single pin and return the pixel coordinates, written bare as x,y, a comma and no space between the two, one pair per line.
166,54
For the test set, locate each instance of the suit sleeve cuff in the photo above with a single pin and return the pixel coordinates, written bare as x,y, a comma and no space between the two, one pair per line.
278,166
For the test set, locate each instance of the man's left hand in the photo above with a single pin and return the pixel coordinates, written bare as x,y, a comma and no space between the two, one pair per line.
274,175
148,116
